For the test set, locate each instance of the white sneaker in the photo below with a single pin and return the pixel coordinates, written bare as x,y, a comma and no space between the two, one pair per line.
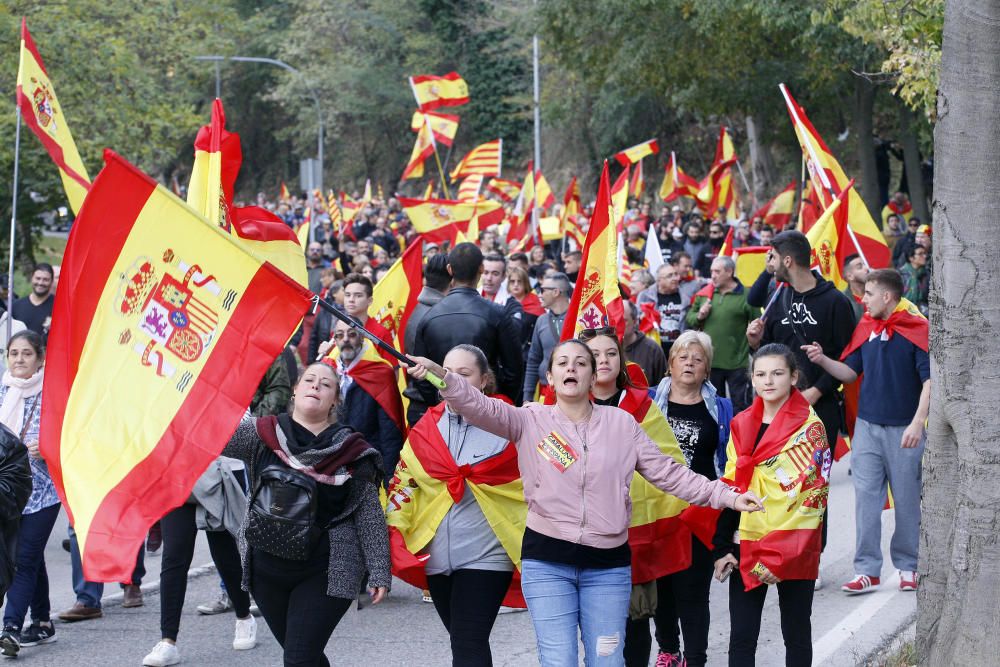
818,583
246,634
162,655
219,605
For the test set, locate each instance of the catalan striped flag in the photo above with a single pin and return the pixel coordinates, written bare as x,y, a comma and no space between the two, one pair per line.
470,188
485,159
42,113
149,369
432,92
829,180
778,211
635,153
504,189
444,126
597,300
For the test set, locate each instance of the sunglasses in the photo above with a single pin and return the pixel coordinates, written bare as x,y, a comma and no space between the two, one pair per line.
590,334
542,288
350,334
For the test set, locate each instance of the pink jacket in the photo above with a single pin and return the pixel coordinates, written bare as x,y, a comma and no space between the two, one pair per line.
577,476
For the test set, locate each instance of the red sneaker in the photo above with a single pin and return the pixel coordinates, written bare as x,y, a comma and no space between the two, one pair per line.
907,581
861,583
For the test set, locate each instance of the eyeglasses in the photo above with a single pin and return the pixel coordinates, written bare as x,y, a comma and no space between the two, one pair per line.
590,334
349,334
542,288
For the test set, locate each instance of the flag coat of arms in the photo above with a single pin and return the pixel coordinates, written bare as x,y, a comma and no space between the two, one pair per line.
160,334
439,219
42,112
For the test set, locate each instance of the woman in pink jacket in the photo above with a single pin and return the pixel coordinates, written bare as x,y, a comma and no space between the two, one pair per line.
577,460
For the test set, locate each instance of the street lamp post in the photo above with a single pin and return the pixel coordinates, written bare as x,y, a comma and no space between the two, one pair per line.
285,66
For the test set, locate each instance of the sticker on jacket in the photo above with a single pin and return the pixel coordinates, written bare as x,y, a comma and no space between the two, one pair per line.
559,452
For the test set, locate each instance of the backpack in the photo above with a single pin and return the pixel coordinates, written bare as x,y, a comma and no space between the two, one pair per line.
282,513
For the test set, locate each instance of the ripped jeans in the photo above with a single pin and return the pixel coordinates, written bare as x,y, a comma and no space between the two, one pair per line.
562,598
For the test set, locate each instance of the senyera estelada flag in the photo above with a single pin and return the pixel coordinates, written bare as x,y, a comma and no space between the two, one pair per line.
161,331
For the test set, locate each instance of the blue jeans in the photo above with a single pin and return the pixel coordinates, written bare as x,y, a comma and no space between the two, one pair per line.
89,593
31,581
562,598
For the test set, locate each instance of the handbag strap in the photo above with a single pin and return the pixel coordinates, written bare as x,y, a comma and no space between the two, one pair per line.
31,414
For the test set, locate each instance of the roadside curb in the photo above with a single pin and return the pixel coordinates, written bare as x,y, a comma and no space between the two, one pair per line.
892,642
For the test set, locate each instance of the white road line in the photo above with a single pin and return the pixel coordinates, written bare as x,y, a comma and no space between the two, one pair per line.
828,644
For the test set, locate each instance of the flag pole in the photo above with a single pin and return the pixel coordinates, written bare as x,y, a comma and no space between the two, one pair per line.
802,192
536,94
13,225
437,158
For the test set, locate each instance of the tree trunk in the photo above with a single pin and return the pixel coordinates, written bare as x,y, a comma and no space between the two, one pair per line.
864,109
959,559
911,162
761,162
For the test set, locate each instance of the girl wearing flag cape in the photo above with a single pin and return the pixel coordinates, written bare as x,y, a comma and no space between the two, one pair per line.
456,515
778,451
577,461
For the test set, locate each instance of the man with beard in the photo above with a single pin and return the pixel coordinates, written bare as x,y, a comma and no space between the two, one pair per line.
855,273
369,397
35,310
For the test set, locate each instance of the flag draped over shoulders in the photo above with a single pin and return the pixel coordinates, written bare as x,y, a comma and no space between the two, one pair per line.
162,329
427,485
906,320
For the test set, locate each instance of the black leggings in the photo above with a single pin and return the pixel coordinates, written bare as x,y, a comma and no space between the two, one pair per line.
293,601
179,533
681,597
745,607
468,602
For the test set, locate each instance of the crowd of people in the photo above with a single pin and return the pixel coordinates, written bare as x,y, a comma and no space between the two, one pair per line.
511,485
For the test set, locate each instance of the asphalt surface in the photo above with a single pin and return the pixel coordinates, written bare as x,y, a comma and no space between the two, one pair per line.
405,631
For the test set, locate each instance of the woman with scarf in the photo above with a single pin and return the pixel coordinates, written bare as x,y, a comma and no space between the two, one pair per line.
20,411
577,461
777,450
456,516
315,531
659,540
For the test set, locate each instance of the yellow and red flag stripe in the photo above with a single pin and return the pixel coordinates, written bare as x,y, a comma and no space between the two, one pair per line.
485,159
504,189
159,338
659,538
829,180
831,240
283,193
444,126
778,211
470,188
423,148
395,295
428,483
41,111
432,91
635,153
597,300
544,197
637,184
439,219
716,189
569,223
676,183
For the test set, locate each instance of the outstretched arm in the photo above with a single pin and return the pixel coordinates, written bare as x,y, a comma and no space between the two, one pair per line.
837,369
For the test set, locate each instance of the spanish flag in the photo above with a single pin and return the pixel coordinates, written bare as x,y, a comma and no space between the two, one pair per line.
217,161
423,148
637,184
750,263
504,189
831,240
676,183
716,189
569,221
485,159
444,126
160,336
597,299
377,377
778,212
829,180
439,219
619,200
427,485
544,197
660,540
809,208
635,154
42,112
395,295
432,92
283,193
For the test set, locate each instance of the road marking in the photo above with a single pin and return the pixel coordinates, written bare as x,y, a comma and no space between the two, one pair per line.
844,631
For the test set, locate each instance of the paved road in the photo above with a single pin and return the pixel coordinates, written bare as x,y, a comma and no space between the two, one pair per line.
405,631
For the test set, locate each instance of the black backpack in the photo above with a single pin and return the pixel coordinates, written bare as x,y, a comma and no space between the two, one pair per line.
282,516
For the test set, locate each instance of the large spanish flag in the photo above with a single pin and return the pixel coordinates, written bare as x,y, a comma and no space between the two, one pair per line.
829,180
432,92
597,299
660,540
485,159
217,161
161,333
439,219
428,483
42,112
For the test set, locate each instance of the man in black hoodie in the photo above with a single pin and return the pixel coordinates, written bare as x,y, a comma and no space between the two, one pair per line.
807,310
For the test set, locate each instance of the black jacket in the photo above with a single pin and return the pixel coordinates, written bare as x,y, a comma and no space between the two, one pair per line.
15,489
821,315
464,316
360,411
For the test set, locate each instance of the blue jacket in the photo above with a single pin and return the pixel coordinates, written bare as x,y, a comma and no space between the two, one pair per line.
719,407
